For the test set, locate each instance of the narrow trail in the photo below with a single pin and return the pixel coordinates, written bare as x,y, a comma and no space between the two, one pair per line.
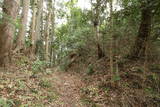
68,87
56,89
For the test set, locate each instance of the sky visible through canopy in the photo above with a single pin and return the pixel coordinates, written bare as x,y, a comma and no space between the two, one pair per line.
84,4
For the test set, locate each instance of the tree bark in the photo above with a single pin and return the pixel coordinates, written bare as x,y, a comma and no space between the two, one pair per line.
38,28
99,49
7,28
47,34
33,28
96,23
38,19
111,40
52,56
22,31
139,47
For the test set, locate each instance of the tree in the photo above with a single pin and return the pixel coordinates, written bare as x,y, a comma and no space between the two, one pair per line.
24,19
139,47
111,39
47,32
52,56
38,29
33,28
38,18
7,28
96,24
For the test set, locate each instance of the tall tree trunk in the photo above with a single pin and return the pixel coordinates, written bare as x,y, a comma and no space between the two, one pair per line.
138,49
38,26
22,31
10,11
38,19
96,24
47,34
111,39
52,58
33,27
99,48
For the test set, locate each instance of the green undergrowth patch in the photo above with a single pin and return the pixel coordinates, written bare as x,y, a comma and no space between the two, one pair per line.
23,61
90,70
130,86
45,83
26,91
52,96
6,102
39,66
30,86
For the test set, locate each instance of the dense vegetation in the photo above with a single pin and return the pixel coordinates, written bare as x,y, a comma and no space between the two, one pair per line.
112,47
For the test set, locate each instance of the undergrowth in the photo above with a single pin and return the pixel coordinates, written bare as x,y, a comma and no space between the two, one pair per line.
129,87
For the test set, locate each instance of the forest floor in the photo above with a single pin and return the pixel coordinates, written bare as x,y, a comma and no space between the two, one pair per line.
68,86
20,88
27,83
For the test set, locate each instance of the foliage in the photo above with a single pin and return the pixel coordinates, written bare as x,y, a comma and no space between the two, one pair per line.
45,83
6,103
90,70
39,66
23,61
116,78
65,64
72,36
21,85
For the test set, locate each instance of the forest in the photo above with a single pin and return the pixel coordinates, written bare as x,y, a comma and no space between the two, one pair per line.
79,53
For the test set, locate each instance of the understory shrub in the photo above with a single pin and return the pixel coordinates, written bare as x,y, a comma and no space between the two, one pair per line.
39,66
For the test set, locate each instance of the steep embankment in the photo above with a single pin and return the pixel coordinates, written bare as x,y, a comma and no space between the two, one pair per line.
132,85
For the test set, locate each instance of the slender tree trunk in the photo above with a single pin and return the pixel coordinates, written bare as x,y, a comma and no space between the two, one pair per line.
96,23
22,31
138,49
47,36
43,34
111,39
33,28
99,49
52,58
38,26
38,19
10,11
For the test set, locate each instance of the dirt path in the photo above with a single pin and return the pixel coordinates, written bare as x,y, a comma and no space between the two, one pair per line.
68,86
56,89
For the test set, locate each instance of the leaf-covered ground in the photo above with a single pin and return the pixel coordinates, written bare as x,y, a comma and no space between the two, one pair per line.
28,83
47,89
